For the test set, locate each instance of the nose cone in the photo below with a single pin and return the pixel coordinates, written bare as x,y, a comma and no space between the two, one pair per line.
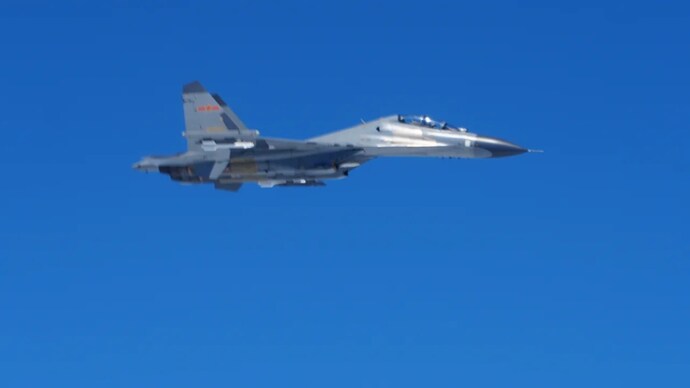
499,147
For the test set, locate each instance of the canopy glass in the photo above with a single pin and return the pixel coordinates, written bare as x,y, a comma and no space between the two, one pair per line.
426,121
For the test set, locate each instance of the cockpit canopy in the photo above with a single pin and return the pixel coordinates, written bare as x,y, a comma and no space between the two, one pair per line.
426,121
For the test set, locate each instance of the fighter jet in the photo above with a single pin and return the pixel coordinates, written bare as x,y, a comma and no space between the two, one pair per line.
223,151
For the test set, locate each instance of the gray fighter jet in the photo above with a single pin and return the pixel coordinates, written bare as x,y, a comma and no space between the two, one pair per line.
223,151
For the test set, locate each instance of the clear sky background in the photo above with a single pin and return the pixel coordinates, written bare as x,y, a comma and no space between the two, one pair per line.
563,269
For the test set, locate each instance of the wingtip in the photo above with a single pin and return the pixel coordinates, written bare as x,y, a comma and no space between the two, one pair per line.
193,87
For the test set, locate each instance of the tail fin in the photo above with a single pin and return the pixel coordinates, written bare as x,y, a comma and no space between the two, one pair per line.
232,121
206,114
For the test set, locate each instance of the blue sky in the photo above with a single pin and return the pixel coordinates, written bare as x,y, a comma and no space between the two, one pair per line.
568,268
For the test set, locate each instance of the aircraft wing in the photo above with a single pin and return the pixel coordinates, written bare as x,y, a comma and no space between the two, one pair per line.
306,154
296,163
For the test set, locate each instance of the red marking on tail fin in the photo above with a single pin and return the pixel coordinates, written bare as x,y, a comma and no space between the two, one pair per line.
208,108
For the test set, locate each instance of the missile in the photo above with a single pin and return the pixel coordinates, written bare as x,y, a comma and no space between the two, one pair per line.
211,145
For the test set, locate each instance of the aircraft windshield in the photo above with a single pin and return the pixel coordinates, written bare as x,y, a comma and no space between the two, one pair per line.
426,121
